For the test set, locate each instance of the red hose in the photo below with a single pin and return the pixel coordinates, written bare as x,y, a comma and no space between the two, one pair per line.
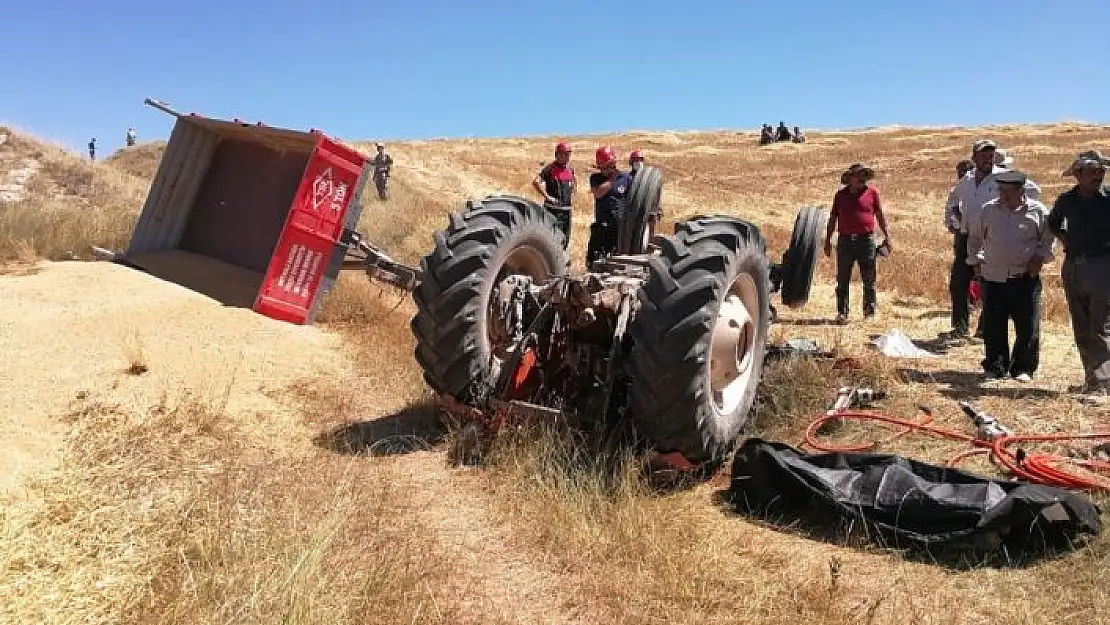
1038,468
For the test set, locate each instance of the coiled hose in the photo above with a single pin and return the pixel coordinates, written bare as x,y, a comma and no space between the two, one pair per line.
1038,468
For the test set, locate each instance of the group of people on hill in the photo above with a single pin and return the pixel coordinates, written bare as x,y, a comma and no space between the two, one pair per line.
609,185
1003,236
768,134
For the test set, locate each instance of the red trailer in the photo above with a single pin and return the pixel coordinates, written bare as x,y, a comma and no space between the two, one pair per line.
256,216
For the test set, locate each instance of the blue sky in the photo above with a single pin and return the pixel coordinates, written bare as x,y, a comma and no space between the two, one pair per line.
411,69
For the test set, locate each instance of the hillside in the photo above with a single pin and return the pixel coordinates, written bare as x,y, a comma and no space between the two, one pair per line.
174,460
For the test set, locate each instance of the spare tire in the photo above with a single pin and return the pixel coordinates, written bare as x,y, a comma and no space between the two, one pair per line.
492,238
699,338
800,260
644,199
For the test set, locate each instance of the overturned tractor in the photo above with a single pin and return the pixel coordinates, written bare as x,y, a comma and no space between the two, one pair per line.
668,335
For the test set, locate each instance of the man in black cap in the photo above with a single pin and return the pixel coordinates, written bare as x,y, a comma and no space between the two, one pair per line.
965,201
1009,241
1080,218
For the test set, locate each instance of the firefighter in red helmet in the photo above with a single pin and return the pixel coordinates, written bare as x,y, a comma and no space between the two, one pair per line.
610,188
635,162
557,184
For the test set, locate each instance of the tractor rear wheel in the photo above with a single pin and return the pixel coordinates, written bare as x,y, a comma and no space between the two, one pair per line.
492,239
644,198
800,258
699,337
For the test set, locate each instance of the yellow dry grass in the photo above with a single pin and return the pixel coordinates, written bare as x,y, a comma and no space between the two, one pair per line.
189,511
70,203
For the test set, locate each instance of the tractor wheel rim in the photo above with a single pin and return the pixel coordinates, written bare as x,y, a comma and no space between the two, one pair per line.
522,261
732,347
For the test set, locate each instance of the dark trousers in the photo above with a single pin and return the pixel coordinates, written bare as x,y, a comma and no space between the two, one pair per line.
562,221
380,183
1087,288
852,250
603,240
959,280
1019,300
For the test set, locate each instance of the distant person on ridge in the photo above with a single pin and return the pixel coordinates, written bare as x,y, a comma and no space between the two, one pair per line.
383,165
610,190
799,136
783,133
92,149
557,184
766,135
130,137
856,209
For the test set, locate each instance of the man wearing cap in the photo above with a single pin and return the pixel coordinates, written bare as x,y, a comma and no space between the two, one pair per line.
557,184
1080,218
610,187
383,163
1009,241
965,200
855,210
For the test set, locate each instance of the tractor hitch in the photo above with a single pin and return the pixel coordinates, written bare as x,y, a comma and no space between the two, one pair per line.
360,254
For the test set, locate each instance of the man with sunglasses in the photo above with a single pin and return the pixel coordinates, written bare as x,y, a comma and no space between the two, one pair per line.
1080,219
609,186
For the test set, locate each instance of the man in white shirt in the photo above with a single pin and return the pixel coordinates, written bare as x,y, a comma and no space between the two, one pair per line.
965,201
1009,241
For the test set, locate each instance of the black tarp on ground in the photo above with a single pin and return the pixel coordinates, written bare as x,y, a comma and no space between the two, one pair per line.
909,504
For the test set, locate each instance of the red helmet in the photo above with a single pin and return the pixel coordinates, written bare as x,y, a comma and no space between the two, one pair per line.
636,154
562,148
605,155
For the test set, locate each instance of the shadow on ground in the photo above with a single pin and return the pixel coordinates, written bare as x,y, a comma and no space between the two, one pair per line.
969,385
416,427
934,314
808,322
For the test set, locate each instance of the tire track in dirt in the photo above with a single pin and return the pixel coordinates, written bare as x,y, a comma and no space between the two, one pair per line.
496,581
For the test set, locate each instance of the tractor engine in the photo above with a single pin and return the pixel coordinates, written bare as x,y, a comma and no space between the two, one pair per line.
565,339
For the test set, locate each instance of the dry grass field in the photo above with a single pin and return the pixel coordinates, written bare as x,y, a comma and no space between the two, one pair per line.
171,460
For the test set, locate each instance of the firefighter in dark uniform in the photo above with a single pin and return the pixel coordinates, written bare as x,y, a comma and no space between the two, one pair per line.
383,163
610,187
557,184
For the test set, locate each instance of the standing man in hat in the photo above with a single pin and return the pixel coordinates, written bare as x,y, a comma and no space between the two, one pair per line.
1080,218
557,184
856,209
609,186
383,165
1009,241
965,201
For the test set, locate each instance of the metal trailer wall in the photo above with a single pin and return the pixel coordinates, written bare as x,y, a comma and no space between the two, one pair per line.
183,168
